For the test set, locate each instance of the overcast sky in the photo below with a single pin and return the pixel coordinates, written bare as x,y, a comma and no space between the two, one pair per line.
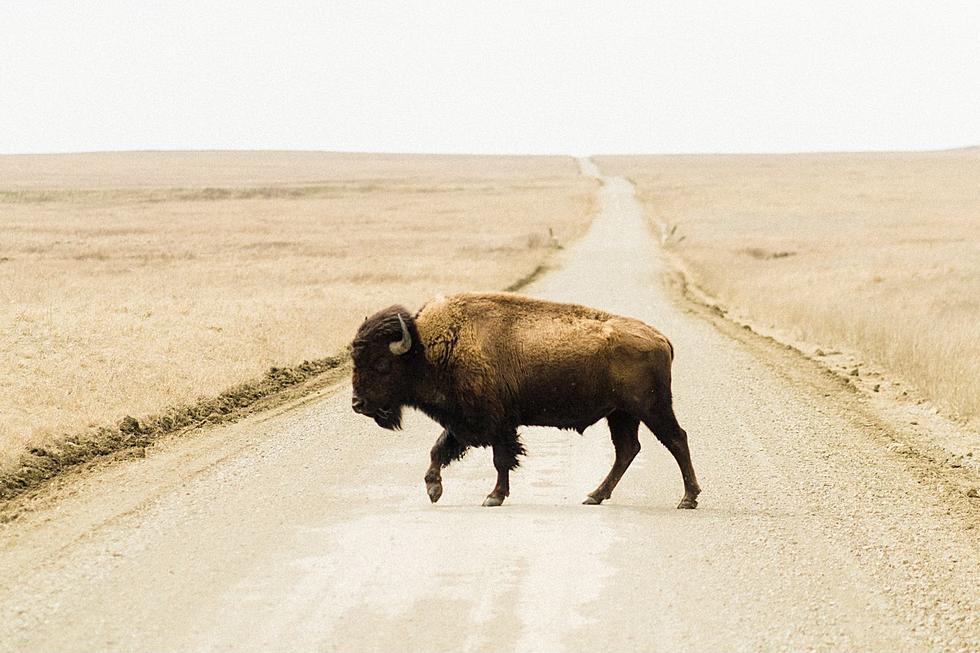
523,77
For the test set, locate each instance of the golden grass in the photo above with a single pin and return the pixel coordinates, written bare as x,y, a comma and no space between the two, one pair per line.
876,252
134,281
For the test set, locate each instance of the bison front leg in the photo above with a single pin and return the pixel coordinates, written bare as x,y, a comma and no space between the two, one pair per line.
504,459
446,449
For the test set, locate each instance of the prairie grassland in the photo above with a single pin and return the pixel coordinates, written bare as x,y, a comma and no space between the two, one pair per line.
876,252
134,281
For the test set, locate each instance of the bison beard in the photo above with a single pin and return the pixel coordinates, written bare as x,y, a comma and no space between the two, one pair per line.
390,419
483,364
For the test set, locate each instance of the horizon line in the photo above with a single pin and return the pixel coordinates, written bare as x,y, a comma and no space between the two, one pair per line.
496,154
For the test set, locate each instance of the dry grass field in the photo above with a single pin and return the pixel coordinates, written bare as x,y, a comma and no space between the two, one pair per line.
875,252
134,281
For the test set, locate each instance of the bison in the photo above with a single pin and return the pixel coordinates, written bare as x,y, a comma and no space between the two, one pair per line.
483,364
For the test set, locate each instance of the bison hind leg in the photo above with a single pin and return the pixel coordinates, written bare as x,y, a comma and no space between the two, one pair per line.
623,430
662,421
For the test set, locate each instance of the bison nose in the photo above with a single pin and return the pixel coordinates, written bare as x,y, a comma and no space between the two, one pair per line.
357,404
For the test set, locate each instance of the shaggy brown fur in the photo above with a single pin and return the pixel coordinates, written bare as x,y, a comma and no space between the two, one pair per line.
482,364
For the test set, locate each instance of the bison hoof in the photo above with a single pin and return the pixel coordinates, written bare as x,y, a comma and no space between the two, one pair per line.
687,504
591,501
434,490
492,500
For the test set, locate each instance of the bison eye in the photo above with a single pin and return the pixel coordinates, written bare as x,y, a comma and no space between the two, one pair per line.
383,365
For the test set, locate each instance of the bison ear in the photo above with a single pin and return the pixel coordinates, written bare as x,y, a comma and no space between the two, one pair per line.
402,346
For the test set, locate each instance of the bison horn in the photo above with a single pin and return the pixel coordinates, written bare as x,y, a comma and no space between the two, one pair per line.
403,345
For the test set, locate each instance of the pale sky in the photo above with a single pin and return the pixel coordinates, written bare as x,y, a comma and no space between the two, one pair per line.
495,77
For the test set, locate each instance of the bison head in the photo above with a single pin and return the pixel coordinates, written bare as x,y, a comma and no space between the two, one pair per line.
383,351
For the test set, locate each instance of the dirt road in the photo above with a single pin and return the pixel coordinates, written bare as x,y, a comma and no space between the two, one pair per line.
310,529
